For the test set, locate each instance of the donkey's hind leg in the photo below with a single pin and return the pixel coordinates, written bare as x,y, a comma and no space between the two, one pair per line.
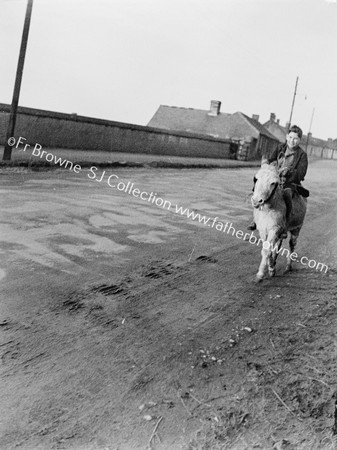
292,244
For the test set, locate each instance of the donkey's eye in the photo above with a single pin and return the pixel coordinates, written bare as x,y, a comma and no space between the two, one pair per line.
255,179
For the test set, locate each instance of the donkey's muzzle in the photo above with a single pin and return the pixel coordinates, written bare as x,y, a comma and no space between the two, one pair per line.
256,203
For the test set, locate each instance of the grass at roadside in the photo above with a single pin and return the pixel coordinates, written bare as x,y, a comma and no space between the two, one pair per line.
112,159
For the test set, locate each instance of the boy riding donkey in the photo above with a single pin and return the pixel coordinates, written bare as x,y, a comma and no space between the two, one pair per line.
292,164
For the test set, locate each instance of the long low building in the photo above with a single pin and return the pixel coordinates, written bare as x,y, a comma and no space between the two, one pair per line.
58,130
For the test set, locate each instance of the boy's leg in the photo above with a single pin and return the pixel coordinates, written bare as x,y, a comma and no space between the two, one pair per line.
288,198
287,195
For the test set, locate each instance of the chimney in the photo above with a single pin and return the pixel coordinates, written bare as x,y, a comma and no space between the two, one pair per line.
278,121
255,117
329,141
272,117
214,108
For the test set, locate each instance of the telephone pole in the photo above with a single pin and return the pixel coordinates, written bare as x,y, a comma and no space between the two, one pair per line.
308,136
292,106
17,86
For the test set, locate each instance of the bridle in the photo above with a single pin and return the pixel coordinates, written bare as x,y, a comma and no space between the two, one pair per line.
272,192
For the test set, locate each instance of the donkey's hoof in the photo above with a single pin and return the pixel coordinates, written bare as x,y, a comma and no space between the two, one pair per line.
287,269
272,272
258,278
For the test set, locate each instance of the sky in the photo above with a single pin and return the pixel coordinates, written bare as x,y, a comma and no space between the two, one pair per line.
121,59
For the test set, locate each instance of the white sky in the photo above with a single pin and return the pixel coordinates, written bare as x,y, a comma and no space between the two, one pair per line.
121,59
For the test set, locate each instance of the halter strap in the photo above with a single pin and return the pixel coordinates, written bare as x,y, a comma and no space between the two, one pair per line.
272,193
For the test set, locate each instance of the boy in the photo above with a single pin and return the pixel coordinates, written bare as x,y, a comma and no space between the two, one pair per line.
292,163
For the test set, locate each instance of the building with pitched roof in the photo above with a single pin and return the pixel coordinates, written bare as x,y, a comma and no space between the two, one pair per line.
253,138
275,128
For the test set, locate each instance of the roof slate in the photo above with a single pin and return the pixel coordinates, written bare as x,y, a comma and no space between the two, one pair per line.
262,130
199,121
191,120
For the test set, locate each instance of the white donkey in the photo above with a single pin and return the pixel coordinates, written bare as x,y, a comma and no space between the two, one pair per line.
270,218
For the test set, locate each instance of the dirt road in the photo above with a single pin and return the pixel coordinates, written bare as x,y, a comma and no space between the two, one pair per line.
126,325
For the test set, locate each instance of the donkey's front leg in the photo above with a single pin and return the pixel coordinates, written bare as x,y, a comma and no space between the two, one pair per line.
263,264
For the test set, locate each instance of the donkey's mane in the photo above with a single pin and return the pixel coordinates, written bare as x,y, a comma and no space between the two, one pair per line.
268,172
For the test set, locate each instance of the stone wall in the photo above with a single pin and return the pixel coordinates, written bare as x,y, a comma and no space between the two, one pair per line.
57,130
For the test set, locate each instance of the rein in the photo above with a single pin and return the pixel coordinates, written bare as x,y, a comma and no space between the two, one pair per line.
272,193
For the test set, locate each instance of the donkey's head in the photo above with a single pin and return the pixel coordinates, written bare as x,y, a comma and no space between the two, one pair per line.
266,182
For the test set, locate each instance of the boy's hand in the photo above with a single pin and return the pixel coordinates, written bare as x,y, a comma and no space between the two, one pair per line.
285,171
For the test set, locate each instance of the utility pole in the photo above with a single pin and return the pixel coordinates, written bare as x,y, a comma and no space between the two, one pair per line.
308,136
292,106
15,101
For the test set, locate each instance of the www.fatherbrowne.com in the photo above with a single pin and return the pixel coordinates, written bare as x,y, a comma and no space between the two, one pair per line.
250,237
228,228
152,197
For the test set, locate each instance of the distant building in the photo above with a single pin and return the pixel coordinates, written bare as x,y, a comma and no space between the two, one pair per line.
319,148
253,138
314,147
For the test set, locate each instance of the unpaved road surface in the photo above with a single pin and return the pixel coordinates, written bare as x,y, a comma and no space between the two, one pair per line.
125,325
